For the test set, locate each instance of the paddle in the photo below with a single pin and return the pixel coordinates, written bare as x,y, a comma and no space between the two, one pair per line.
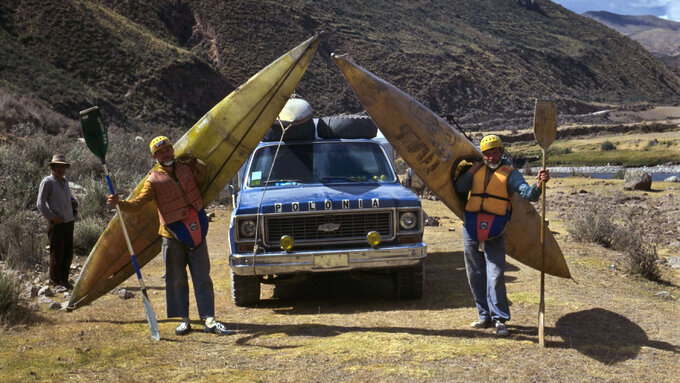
545,129
97,140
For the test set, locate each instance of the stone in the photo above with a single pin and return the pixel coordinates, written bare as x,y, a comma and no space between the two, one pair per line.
431,221
674,262
664,295
125,294
30,291
55,306
45,291
43,300
60,289
672,179
637,180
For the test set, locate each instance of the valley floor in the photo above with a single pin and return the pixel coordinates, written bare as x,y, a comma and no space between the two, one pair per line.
605,325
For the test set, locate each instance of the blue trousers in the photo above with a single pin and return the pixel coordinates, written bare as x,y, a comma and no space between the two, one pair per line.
177,257
485,275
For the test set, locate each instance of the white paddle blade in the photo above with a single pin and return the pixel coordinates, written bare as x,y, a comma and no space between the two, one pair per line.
151,317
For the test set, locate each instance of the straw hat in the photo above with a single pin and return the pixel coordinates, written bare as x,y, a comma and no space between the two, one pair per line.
59,159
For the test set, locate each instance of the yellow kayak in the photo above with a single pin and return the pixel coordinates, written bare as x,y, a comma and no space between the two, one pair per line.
434,150
223,138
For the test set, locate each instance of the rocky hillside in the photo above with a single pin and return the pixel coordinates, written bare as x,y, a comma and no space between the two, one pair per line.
659,36
169,61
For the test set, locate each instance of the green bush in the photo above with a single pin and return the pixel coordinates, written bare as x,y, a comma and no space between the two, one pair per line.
554,151
86,233
607,145
22,240
10,289
93,203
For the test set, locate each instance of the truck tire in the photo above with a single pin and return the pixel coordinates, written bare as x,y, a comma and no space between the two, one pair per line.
409,281
245,289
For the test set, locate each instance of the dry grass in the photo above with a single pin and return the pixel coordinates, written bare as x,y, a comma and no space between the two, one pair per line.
608,327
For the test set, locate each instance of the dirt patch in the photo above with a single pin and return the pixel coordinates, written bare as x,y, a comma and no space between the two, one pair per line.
609,326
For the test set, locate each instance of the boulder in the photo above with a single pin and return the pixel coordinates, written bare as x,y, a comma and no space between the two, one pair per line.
637,180
674,262
672,179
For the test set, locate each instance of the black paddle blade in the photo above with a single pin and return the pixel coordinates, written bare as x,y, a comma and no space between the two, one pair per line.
94,132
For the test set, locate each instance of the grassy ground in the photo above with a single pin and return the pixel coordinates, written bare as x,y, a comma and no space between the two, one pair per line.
607,327
632,149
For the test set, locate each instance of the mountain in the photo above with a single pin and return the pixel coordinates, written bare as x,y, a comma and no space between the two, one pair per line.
659,36
167,62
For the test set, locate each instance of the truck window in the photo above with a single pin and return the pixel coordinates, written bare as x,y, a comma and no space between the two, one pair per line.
320,162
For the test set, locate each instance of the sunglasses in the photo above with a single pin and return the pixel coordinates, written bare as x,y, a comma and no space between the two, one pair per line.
160,143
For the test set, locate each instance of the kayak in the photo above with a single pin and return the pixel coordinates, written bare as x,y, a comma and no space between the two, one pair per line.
436,152
223,138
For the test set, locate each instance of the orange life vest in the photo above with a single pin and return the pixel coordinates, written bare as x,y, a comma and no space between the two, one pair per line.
490,194
175,198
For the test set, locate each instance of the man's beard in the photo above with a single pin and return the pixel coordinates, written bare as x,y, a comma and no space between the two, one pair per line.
492,166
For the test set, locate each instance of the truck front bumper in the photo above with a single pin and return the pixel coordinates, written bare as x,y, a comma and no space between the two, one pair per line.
327,260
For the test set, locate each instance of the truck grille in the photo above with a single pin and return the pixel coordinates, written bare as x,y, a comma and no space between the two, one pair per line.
334,227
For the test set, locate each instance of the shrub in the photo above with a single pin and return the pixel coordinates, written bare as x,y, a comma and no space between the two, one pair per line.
25,117
619,174
86,233
558,151
640,257
23,240
527,169
592,224
607,145
93,203
10,289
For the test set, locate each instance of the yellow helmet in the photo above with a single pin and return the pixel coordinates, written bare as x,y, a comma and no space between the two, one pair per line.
489,142
158,143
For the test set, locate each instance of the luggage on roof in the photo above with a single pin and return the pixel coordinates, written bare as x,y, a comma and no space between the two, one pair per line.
346,126
296,118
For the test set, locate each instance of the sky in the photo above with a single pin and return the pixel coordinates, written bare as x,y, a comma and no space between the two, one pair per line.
667,9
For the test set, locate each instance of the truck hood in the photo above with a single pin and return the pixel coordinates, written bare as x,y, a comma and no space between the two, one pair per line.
300,198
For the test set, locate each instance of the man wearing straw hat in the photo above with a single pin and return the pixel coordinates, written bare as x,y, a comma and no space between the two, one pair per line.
58,206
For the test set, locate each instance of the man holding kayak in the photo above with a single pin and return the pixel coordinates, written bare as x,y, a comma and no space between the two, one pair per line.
491,184
184,225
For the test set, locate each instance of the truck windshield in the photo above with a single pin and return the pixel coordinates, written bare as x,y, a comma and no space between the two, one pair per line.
320,162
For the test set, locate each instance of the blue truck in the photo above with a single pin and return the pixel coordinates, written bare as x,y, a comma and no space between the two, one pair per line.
321,203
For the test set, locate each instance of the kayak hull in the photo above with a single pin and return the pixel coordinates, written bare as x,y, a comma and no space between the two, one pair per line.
223,139
434,149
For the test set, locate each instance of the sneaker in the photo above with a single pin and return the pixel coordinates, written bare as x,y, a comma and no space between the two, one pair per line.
218,328
501,329
482,323
183,328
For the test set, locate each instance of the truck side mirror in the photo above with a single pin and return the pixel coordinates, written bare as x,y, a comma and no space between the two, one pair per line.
232,190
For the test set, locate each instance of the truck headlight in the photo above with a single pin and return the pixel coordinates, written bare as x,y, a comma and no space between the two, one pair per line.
373,238
246,228
287,243
408,220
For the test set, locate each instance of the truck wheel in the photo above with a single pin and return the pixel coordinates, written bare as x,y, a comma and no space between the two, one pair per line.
409,281
245,289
